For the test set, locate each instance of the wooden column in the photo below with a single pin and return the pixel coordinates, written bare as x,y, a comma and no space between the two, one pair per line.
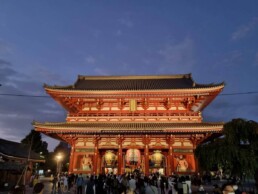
71,161
120,154
170,142
146,141
75,160
96,153
195,140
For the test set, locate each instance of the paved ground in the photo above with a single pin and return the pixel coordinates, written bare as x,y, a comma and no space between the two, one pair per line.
48,188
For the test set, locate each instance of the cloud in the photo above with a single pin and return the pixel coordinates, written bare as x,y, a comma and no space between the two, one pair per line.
17,112
243,30
4,63
226,108
177,57
101,71
4,48
90,59
9,136
40,74
96,33
232,58
256,59
126,22
118,33
121,47
16,82
6,71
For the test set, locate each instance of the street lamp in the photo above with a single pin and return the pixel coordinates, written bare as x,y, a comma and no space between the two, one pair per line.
59,157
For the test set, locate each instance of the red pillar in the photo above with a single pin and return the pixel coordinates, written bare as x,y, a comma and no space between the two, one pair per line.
146,141
170,142
195,143
71,162
120,161
146,153
170,161
120,154
96,153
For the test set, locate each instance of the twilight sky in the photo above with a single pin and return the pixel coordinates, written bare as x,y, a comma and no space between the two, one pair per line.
55,41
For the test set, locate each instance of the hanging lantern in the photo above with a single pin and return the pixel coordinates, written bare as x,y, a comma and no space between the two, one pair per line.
109,157
133,157
157,158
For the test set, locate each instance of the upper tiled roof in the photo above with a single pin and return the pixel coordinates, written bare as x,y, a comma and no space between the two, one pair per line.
92,83
19,150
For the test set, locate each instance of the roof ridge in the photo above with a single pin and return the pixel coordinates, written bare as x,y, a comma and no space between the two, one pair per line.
119,77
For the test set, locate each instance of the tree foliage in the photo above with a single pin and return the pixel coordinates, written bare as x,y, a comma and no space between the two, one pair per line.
34,140
38,146
236,151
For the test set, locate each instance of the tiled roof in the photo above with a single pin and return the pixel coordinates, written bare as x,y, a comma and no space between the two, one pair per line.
19,150
92,83
129,127
12,166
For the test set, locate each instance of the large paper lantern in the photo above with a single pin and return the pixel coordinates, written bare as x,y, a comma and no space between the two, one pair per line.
109,157
133,157
157,158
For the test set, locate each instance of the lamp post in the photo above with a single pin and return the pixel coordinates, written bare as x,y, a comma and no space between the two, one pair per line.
58,162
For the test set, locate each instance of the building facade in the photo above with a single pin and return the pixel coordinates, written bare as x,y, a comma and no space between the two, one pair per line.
16,162
121,124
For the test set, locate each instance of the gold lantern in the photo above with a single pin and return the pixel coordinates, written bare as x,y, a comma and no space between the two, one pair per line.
157,158
110,158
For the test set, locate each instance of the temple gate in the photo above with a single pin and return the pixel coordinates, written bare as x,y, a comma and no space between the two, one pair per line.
123,124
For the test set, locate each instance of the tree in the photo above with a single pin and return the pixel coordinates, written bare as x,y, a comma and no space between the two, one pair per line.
236,151
34,140
38,145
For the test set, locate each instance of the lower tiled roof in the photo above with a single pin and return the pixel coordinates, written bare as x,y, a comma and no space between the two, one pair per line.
12,166
83,127
17,150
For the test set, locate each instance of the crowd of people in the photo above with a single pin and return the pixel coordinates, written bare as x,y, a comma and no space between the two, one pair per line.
134,184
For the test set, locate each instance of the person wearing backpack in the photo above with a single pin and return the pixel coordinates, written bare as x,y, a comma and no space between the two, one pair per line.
79,183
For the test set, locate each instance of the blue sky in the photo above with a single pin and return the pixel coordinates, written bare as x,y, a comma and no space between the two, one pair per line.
55,41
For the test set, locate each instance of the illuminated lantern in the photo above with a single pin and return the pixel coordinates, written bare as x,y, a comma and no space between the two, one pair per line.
109,157
157,158
133,157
